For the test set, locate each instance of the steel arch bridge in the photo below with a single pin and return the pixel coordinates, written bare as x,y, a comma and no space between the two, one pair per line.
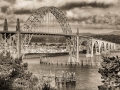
48,21
37,17
36,20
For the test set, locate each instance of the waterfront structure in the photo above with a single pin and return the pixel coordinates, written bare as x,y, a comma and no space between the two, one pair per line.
49,21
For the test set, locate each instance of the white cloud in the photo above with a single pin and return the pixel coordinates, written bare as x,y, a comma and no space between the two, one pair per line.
1,22
2,15
90,1
26,4
4,3
83,15
34,4
78,14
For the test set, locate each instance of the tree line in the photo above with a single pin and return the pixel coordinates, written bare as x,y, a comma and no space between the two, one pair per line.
110,37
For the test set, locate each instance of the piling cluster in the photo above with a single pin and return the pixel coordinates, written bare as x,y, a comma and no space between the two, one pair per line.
110,72
65,77
59,80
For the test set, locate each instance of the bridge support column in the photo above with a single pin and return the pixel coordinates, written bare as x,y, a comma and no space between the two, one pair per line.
77,61
5,44
114,47
96,51
99,46
18,39
92,49
99,51
91,52
5,37
104,46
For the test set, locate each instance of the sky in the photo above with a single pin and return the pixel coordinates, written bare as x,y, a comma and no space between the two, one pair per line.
95,16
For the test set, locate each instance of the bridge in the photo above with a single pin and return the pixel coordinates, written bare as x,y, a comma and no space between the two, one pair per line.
49,21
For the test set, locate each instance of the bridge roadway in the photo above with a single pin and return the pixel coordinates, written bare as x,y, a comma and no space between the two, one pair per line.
41,33
52,34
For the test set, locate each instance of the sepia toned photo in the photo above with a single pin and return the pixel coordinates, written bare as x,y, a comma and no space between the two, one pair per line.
59,45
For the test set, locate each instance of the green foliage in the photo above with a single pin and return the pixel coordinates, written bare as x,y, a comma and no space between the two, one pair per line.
110,72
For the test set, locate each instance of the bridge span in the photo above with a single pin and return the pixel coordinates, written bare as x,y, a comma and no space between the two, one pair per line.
50,21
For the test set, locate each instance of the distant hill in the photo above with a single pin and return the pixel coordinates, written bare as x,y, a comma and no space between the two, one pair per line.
54,39
112,36
48,39
87,34
115,33
91,34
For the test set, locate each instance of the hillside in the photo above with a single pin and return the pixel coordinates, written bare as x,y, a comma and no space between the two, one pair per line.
54,39
48,39
87,34
112,37
115,33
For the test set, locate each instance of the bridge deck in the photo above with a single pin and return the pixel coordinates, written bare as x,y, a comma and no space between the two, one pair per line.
53,34
37,33
8,32
43,33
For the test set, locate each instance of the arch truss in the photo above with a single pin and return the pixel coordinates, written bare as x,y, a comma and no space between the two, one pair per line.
35,21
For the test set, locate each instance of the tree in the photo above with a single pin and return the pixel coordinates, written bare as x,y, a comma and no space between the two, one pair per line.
110,72
14,75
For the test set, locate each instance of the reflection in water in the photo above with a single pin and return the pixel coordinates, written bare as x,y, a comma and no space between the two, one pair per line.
87,75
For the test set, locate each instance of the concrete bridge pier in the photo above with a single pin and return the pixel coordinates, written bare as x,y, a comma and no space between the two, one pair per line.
78,60
4,37
114,47
18,39
97,51
92,47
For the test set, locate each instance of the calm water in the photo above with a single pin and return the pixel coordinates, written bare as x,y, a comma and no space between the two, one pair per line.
87,75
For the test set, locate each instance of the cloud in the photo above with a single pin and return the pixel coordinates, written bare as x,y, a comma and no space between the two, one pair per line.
4,3
95,18
71,4
1,23
6,11
106,21
28,6
2,15
68,6
96,14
